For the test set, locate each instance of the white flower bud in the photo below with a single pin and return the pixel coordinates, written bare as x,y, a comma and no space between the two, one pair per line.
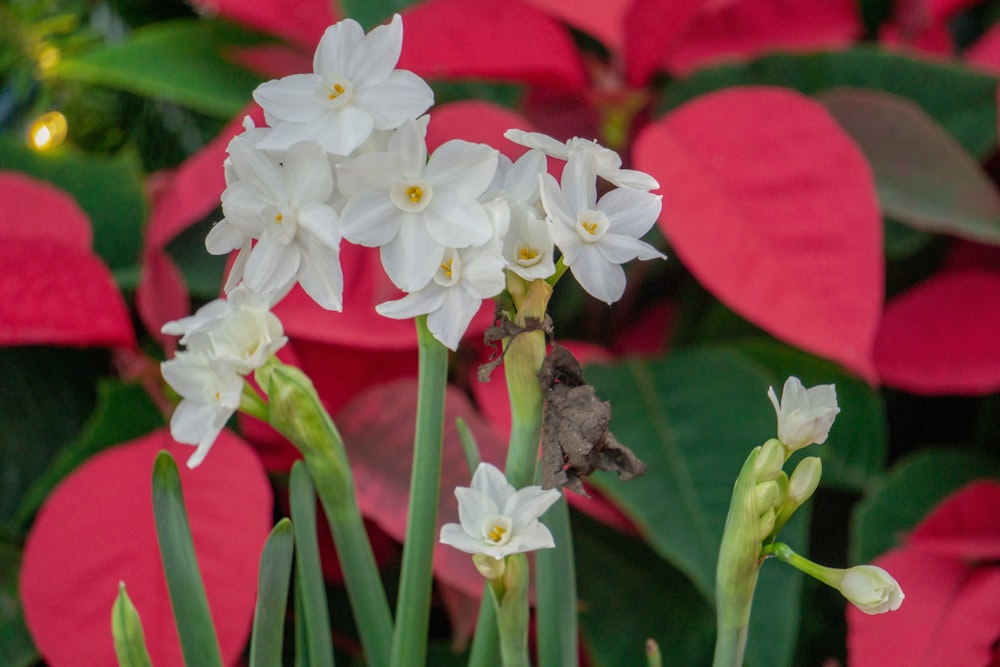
871,589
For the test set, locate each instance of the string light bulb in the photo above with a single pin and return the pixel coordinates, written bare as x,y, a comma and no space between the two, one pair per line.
48,131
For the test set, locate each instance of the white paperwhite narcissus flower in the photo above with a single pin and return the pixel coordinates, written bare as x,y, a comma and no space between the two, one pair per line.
606,162
498,520
210,391
527,242
284,206
597,237
226,339
354,89
239,331
413,208
804,415
454,295
871,589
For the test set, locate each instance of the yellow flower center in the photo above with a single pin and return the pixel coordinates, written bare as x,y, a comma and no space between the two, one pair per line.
337,91
446,267
497,533
415,193
526,253
591,227
279,218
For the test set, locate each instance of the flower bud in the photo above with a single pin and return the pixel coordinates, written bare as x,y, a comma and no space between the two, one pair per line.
871,589
804,480
769,460
767,495
765,524
491,568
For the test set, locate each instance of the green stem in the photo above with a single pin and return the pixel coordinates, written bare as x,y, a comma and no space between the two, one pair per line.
510,597
555,581
409,642
737,569
297,413
486,640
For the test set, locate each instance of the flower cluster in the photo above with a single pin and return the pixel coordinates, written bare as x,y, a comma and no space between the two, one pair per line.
343,155
225,340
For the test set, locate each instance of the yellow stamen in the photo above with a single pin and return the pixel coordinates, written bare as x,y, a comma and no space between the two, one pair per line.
590,227
415,193
527,253
446,267
497,533
338,90
279,218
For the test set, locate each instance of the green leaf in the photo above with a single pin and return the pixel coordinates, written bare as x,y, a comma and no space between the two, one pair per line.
629,594
692,418
912,489
50,394
187,62
968,111
126,627
923,176
110,191
272,597
180,565
370,13
203,272
123,412
310,588
16,646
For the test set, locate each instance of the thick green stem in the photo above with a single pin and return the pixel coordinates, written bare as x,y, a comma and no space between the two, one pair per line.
510,597
297,413
409,642
555,583
737,570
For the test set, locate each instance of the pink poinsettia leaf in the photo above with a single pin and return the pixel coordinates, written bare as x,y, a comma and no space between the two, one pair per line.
966,525
378,430
161,296
791,242
302,22
603,19
950,617
746,28
505,40
943,336
54,294
651,28
985,51
948,571
477,121
36,210
92,534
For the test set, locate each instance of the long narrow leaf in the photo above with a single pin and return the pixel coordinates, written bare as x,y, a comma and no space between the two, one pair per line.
187,592
309,575
126,627
272,597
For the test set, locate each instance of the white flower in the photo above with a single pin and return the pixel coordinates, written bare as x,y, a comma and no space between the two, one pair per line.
606,163
527,242
804,415
596,237
239,331
354,89
210,392
496,519
871,589
413,208
455,293
284,206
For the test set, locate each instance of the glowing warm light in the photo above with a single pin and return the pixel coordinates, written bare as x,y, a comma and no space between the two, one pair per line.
48,131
